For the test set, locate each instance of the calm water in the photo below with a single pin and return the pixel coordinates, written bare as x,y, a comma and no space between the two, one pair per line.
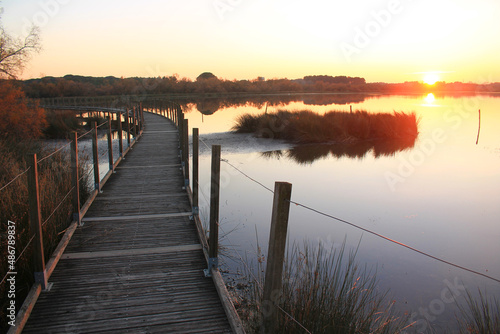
441,197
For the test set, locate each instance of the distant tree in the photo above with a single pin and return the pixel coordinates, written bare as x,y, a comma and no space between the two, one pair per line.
206,76
18,120
16,52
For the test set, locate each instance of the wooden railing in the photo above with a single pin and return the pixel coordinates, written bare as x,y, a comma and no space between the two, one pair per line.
134,122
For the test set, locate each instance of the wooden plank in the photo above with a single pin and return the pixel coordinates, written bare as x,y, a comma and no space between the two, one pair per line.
135,217
156,250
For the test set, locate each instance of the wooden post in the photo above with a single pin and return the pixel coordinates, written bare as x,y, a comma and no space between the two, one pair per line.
180,129
75,179
120,132
139,121
36,222
95,156
134,122
142,117
196,164
185,151
110,145
213,241
276,253
127,120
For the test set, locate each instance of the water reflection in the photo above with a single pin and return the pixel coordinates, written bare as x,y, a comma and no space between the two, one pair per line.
208,106
307,154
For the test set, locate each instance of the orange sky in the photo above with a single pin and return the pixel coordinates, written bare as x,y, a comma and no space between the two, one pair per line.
391,40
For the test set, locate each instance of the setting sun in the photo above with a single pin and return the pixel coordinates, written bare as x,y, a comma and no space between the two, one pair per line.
431,78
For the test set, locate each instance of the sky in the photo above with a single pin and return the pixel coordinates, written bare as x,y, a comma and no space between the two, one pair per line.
380,40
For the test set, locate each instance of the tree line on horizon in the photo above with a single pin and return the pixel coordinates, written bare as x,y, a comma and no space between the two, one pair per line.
76,85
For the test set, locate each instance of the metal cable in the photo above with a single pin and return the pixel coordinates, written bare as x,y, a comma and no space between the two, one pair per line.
86,133
58,206
56,151
15,178
21,254
371,232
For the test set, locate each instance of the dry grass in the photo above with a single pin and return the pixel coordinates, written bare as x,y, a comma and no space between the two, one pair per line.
325,291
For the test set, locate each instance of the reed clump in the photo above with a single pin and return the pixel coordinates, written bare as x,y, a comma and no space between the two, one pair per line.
480,315
325,291
334,126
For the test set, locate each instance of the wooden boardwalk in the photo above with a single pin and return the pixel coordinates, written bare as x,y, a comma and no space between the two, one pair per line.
136,265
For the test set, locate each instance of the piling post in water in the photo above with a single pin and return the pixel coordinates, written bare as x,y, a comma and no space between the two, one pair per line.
276,253
196,166
36,222
213,241
75,179
95,158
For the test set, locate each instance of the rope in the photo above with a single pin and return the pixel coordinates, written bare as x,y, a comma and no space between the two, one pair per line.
259,183
372,232
24,250
102,124
15,178
56,151
58,206
86,133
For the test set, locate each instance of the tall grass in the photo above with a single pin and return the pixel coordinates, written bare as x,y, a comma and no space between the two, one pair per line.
55,184
479,316
334,126
326,291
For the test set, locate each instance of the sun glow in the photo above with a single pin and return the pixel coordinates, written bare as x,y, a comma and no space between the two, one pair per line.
431,78
429,99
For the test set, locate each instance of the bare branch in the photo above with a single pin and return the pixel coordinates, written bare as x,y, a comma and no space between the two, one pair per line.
15,53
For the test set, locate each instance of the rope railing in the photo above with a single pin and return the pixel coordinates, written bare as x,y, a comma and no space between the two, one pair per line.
37,265
55,152
86,133
58,206
368,230
15,178
18,257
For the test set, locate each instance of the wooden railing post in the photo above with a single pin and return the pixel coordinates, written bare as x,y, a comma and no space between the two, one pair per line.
142,117
127,120
185,151
139,120
196,168
134,122
276,253
76,179
120,132
95,156
213,261
36,222
110,145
